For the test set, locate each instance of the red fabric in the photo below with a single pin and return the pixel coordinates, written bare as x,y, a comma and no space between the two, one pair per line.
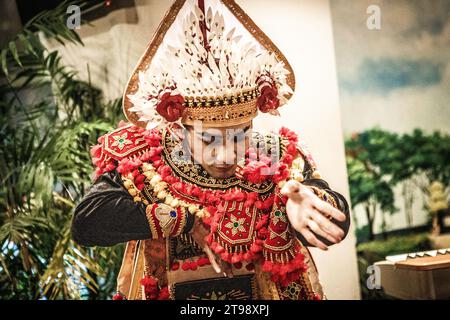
250,235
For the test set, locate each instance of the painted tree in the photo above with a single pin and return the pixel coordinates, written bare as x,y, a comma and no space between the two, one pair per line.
422,160
425,158
378,161
369,185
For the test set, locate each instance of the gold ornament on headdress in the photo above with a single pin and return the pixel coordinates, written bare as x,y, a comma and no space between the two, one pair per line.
208,62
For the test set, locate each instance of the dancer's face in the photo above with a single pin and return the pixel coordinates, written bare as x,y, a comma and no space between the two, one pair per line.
218,150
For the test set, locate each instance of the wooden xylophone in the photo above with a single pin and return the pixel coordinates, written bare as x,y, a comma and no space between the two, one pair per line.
419,275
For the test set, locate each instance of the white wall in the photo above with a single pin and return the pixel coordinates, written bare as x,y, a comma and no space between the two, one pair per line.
302,30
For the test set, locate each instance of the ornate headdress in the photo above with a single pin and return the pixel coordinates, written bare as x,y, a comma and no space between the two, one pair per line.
207,62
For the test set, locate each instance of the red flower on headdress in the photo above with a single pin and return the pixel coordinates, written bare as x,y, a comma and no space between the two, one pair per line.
171,107
268,100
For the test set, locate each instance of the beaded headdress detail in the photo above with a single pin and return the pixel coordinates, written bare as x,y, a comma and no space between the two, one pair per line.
207,62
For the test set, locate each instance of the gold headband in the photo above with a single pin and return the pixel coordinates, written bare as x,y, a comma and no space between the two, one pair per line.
221,111
224,116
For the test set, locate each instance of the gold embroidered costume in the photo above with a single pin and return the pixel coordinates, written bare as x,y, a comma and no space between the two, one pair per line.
209,63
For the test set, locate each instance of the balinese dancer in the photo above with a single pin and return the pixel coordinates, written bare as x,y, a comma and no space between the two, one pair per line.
209,209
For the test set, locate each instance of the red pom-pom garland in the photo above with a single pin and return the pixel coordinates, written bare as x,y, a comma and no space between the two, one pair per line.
251,220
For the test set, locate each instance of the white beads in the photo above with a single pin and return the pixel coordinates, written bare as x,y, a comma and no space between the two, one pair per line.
298,176
168,200
316,174
147,167
174,203
162,195
160,186
192,209
128,184
155,180
149,174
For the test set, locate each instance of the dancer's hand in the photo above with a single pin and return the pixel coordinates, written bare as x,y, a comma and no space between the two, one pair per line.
308,214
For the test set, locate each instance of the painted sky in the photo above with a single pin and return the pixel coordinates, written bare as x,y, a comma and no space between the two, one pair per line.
398,77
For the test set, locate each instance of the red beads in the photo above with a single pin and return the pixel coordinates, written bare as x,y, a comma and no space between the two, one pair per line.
118,296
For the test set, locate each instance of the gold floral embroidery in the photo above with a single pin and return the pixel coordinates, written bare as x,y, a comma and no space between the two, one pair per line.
292,291
283,235
235,225
121,141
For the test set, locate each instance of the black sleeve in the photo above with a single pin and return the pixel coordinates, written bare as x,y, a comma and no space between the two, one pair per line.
342,206
107,215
